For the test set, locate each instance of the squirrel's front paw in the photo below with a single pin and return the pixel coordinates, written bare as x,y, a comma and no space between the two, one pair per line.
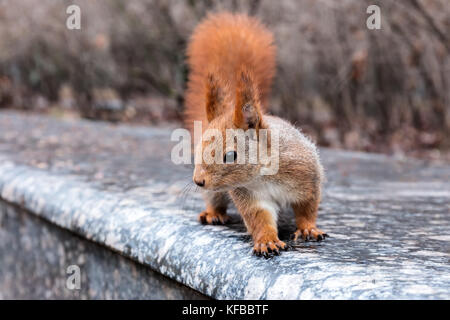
311,233
213,217
268,246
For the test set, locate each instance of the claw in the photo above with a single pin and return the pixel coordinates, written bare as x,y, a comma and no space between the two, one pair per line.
309,235
269,249
212,218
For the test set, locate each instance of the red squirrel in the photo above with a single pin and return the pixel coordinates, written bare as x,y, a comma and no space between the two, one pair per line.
232,63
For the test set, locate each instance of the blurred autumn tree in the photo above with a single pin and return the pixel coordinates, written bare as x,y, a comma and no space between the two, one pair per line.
376,90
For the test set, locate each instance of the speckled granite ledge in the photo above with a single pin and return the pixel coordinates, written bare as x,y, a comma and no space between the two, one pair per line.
389,219
35,255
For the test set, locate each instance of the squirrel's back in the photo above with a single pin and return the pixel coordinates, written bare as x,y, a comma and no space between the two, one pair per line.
223,44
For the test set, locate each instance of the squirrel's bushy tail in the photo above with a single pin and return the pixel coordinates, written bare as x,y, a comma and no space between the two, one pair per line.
223,45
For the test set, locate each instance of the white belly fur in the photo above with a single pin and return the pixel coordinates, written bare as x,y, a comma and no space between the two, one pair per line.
272,197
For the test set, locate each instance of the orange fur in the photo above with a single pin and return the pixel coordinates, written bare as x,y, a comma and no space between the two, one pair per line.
232,62
225,45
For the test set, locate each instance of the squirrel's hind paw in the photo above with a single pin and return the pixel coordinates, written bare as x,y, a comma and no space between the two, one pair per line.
214,218
309,234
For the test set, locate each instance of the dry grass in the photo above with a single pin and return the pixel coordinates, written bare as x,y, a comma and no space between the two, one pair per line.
377,90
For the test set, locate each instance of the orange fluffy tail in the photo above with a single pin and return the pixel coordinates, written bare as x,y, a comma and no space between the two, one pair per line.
224,44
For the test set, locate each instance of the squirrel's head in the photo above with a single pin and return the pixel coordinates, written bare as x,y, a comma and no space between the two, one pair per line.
225,159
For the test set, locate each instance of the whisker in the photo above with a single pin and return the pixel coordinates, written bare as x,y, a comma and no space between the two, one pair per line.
188,202
184,194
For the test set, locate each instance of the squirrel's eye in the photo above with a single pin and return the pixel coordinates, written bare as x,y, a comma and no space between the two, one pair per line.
230,157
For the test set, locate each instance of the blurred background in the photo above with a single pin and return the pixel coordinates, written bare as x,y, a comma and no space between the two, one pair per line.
347,86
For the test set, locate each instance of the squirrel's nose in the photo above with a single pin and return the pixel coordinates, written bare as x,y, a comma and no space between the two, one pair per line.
200,183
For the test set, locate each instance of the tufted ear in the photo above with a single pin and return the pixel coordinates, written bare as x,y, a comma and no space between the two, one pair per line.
247,111
214,97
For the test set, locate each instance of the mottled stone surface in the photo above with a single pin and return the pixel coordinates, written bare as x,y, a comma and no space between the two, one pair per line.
35,257
389,220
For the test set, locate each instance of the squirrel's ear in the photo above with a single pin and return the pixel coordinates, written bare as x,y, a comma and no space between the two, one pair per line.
247,111
214,97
